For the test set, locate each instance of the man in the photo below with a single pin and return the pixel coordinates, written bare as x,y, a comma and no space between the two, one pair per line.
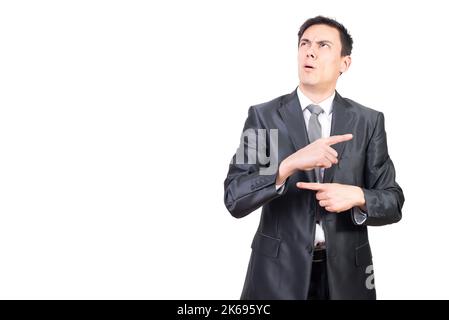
334,179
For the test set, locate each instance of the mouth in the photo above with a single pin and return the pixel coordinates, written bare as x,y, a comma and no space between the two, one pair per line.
308,67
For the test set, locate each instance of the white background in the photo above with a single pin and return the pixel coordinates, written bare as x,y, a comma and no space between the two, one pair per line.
118,120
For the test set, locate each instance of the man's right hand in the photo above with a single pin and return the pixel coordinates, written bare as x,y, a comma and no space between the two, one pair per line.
317,154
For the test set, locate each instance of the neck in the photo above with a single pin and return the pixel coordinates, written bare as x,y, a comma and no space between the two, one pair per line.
316,94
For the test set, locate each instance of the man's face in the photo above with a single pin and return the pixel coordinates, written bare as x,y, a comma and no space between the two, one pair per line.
319,57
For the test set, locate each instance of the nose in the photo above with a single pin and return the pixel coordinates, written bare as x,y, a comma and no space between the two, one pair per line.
310,53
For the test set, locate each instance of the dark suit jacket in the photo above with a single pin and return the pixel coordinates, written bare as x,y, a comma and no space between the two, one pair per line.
281,258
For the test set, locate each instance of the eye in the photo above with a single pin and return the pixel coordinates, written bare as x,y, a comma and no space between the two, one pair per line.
324,45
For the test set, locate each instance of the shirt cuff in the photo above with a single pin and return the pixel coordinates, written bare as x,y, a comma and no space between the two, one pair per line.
280,188
360,216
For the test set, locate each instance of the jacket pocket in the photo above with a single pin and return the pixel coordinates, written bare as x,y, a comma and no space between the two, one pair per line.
266,245
363,255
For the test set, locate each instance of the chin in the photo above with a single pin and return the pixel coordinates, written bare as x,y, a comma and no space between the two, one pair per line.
308,79
308,82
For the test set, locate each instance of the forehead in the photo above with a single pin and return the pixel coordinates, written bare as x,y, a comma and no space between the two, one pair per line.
321,32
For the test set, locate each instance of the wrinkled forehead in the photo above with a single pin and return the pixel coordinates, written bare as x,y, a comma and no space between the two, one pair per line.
321,32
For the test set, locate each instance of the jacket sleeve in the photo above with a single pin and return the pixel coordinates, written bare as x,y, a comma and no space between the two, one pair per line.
249,184
384,197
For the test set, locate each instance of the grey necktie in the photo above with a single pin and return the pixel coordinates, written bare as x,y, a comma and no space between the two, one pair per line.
314,131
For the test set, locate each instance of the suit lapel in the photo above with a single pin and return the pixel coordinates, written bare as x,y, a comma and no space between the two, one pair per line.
293,117
342,120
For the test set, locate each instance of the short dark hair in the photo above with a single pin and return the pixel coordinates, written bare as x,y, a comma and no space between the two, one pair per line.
345,37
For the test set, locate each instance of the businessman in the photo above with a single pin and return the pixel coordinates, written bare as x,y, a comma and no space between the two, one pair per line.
332,178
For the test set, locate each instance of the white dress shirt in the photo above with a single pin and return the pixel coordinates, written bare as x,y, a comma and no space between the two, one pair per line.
325,119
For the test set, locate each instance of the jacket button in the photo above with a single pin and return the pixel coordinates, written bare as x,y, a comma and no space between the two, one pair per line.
310,249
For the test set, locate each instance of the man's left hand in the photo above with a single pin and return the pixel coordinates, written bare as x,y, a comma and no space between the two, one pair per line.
336,197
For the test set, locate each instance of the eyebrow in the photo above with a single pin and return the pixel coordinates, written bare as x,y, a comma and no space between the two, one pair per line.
320,42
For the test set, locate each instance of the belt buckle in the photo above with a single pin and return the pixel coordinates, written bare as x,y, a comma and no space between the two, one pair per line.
319,254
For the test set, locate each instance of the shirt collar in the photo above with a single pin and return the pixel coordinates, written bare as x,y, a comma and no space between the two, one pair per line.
326,104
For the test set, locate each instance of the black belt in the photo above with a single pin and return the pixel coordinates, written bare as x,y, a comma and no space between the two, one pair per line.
319,255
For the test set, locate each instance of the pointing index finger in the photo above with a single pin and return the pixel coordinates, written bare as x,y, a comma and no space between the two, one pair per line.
339,138
310,185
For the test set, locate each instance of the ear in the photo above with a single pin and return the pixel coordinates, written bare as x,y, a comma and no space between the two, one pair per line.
345,63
